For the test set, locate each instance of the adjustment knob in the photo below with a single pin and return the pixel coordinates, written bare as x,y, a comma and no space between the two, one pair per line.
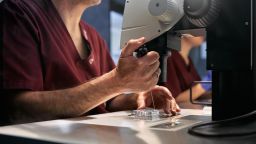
201,13
164,10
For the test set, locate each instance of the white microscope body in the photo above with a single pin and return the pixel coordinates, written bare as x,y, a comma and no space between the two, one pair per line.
149,18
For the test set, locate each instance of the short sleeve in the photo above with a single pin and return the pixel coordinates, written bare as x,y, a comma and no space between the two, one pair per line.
20,51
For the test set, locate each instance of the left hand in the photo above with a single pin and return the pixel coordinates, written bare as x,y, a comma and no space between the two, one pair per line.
162,99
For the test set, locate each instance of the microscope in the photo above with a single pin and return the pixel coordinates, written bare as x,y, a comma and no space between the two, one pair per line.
230,30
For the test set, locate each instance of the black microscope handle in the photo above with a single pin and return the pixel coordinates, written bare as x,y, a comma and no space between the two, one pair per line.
140,52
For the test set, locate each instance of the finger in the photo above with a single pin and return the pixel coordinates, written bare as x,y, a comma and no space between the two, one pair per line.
131,46
187,36
177,107
150,58
141,106
156,76
141,103
153,70
173,107
167,107
158,72
164,91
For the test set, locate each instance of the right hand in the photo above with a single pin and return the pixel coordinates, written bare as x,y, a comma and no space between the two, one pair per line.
137,74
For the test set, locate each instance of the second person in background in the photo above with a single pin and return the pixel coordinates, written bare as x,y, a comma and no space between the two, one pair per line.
182,73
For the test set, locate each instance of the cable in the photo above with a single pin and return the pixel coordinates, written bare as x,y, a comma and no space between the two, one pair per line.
237,126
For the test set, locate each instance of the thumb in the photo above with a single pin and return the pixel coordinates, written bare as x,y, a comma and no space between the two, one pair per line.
141,104
131,46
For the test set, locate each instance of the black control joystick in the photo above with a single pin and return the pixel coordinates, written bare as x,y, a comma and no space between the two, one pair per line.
159,45
140,52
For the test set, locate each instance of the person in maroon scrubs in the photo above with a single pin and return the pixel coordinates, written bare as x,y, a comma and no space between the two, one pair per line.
182,73
54,65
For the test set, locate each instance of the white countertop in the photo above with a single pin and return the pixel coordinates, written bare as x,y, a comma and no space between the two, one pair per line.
111,128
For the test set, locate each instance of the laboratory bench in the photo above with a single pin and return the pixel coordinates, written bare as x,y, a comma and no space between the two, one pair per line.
117,128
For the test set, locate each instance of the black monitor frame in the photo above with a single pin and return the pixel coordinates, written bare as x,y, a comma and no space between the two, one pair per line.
231,55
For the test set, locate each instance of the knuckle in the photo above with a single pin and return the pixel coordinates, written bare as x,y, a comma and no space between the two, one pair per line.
122,52
156,54
131,41
139,63
166,89
158,63
155,66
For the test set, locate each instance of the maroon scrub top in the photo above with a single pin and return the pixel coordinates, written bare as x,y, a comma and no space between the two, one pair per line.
180,75
38,53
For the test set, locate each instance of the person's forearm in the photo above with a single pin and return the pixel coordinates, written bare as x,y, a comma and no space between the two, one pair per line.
123,102
65,103
197,91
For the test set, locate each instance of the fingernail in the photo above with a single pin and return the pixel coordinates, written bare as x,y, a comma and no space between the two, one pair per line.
142,39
